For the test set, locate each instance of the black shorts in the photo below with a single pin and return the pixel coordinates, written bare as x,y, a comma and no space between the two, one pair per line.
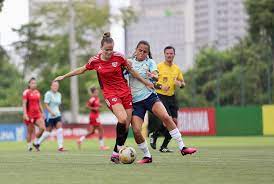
170,104
52,122
140,108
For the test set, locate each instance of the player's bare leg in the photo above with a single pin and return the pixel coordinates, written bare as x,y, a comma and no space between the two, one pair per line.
140,140
121,129
91,131
101,138
159,110
42,133
30,128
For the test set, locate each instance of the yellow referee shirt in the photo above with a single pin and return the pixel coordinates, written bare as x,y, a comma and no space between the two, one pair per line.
167,76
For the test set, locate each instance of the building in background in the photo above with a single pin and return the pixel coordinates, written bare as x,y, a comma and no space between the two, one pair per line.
188,25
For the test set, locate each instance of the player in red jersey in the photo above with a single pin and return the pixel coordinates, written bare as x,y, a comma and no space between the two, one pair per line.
94,122
33,111
109,66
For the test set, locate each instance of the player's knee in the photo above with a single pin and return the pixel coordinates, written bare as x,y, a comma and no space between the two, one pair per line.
123,120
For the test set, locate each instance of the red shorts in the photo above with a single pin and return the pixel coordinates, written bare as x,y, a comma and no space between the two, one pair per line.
94,119
125,100
32,120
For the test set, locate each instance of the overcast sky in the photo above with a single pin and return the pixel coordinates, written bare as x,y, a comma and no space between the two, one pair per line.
14,14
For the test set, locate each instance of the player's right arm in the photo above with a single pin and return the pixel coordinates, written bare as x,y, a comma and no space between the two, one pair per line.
90,105
77,71
46,102
25,101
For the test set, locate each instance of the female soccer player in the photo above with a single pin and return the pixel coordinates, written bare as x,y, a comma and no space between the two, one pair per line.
33,112
94,123
146,99
109,66
52,101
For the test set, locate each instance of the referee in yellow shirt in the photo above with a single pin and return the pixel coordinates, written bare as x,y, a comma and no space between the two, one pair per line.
170,77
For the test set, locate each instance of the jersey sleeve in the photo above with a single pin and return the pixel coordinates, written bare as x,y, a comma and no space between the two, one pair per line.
90,102
47,98
90,64
180,75
152,66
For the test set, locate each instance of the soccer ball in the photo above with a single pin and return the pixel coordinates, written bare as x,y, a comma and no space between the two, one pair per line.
127,155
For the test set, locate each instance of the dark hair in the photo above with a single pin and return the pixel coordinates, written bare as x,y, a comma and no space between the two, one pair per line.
31,79
147,44
169,47
106,39
92,89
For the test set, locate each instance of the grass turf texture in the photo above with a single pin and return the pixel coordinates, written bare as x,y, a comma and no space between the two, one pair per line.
219,160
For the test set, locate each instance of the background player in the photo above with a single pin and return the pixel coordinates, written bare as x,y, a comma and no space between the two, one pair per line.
33,112
53,100
170,76
94,122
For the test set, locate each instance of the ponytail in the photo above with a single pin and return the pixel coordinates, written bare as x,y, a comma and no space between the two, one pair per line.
106,39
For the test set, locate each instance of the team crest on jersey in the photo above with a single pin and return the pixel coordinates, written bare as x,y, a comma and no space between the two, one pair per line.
114,99
114,64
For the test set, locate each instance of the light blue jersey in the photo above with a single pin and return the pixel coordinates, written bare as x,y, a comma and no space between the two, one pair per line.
53,100
138,89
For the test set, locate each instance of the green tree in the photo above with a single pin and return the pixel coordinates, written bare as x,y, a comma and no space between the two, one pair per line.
10,79
31,47
261,21
232,77
1,4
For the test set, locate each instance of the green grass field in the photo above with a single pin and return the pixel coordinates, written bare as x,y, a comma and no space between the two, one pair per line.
219,160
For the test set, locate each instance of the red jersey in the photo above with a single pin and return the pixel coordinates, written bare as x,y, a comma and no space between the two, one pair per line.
33,102
94,102
110,74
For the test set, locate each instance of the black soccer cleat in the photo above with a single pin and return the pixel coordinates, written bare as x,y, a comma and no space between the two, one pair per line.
37,146
30,149
165,150
153,140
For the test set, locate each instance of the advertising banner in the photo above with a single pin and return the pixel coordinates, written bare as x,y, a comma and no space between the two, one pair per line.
268,119
197,121
13,132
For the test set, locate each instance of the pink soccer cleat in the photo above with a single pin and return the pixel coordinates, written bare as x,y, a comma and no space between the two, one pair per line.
145,160
188,151
103,148
62,149
115,158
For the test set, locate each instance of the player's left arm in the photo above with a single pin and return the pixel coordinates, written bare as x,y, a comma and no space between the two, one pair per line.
179,81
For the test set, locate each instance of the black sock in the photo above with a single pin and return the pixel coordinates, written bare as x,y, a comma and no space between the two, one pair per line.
121,136
167,138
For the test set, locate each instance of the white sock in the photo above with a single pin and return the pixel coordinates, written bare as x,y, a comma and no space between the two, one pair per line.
35,141
59,134
175,134
144,148
43,137
115,153
29,145
119,147
101,142
82,138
